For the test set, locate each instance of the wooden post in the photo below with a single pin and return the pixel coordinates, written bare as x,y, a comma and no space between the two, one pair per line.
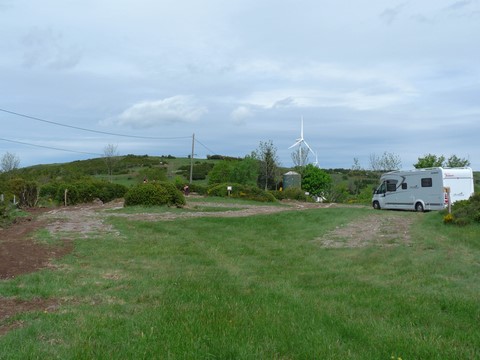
191,158
65,196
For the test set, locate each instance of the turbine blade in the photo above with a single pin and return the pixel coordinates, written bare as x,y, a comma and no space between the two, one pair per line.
301,128
309,148
297,143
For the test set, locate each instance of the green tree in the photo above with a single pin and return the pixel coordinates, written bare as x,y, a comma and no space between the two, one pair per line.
221,173
431,160
428,161
454,161
316,181
245,171
267,155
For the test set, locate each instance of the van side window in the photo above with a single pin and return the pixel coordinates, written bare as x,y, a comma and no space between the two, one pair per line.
427,182
391,185
404,186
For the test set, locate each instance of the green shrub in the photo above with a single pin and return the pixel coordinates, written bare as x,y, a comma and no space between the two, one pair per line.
26,191
82,191
291,194
241,192
6,214
465,212
152,194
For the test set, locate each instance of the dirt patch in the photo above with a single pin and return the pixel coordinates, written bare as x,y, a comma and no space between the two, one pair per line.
11,307
382,229
19,254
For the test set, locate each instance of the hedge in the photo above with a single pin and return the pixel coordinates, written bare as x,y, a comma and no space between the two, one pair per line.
151,194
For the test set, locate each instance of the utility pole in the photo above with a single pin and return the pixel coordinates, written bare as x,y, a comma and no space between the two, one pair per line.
191,158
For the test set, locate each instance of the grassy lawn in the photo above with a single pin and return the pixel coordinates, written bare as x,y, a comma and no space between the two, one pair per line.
257,287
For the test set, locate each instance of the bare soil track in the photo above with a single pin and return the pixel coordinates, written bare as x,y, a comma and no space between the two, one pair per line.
20,254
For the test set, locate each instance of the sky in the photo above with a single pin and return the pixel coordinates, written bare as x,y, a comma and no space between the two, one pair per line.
367,77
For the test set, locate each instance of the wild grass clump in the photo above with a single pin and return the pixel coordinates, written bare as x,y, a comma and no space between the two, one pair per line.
464,212
153,194
240,191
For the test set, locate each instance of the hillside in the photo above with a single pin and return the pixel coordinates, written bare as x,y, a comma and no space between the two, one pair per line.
127,170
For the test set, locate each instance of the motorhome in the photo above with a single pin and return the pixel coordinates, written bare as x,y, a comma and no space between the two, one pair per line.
423,189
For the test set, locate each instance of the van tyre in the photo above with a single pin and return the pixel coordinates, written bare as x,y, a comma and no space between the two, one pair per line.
376,205
419,207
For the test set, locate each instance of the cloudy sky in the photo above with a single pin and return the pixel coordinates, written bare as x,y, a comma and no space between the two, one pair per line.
367,76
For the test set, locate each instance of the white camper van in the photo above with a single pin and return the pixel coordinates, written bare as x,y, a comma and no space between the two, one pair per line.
423,189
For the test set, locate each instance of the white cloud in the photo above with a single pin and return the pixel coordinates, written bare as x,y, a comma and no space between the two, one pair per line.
172,110
240,114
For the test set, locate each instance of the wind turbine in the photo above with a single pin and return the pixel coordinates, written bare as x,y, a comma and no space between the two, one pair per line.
316,160
300,141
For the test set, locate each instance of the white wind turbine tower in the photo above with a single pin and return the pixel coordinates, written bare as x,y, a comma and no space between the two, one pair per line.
300,141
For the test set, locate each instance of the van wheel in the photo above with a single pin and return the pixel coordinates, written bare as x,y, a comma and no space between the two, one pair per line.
419,207
376,205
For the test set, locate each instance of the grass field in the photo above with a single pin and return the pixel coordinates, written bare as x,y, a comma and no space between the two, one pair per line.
259,287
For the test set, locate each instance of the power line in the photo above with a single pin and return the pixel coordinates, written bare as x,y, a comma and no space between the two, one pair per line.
51,148
90,130
213,152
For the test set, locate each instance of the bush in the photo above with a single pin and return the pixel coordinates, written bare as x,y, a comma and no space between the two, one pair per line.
152,194
291,194
7,214
465,212
82,191
25,191
241,192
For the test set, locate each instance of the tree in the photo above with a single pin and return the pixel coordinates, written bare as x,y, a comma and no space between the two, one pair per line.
430,160
221,173
386,162
316,181
267,155
245,171
110,155
9,162
300,157
454,161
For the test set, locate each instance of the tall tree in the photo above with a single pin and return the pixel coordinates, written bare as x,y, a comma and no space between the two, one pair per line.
110,155
267,155
9,162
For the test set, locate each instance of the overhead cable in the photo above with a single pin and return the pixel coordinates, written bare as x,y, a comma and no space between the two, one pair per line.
213,152
90,130
51,148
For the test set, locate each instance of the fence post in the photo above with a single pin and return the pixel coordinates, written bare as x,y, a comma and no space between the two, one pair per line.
65,196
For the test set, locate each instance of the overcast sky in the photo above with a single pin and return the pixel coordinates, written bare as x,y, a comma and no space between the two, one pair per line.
368,76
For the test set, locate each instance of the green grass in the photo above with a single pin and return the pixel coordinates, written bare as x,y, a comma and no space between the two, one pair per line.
255,288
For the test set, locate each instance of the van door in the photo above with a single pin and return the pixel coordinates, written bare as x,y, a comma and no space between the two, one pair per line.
391,200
